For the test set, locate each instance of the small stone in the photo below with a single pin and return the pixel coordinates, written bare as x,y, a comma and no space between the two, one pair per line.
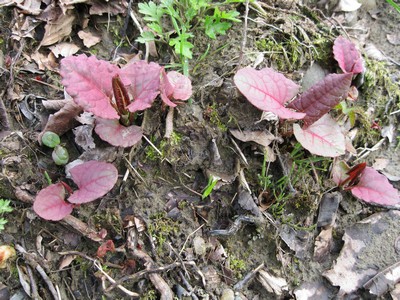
227,294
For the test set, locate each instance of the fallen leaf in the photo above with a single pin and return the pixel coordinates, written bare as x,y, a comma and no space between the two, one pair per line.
113,8
374,187
45,62
31,7
267,90
107,246
373,52
63,120
263,138
323,244
84,137
384,280
322,97
323,137
57,29
89,39
64,49
368,248
273,284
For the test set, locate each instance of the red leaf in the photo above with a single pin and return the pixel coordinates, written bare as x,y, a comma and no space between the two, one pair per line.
143,81
322,97
94,179
181,84
354,173
347,56
50,205
267,90
88,81
324,137
176,86
375,188
116,134
166,89
104,248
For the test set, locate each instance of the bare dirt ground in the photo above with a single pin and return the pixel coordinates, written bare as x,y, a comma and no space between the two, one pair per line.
254,236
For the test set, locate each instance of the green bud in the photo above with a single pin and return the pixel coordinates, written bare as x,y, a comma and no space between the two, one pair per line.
50,139
60,155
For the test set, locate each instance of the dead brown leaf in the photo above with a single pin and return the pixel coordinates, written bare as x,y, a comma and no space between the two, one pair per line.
113,8
64,49
45,62
89,38
31,7
56,30
262,138
63,120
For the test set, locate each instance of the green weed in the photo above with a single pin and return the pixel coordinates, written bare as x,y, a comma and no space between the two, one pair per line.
185,17
5,207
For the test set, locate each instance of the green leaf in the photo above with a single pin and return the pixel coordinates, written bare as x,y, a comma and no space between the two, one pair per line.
50,139
214,27
152,12
212,181
230,15
2,223
5,206
182,46
146,36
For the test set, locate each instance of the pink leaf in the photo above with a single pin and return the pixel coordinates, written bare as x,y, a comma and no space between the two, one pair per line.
322,97
347,56
267,90
166,89
88,81
182,86
50,205
116,134
324,137
94,179
339,172
143,81
374,187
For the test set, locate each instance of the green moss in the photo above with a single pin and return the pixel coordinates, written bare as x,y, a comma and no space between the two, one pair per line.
149,295
211,113
237,266
161,227
289,52
379,89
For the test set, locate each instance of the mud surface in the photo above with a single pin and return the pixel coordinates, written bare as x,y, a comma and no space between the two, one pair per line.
277,224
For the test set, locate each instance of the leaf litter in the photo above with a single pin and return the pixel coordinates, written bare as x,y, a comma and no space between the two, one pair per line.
183,167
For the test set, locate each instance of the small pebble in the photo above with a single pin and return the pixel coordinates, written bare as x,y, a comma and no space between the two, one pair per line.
227,294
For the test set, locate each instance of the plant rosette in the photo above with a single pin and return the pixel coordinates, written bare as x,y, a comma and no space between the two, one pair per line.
114,95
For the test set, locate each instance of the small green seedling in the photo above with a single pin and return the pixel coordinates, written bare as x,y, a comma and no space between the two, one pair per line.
4,208
212,181
60,154
185,17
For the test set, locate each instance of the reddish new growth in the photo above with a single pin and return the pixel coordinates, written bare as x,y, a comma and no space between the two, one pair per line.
114,95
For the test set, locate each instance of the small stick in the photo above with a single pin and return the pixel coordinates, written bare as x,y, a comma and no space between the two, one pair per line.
134,170
155,148
243,46
240,284
169,123
126,291
135,20
184,244
30,259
